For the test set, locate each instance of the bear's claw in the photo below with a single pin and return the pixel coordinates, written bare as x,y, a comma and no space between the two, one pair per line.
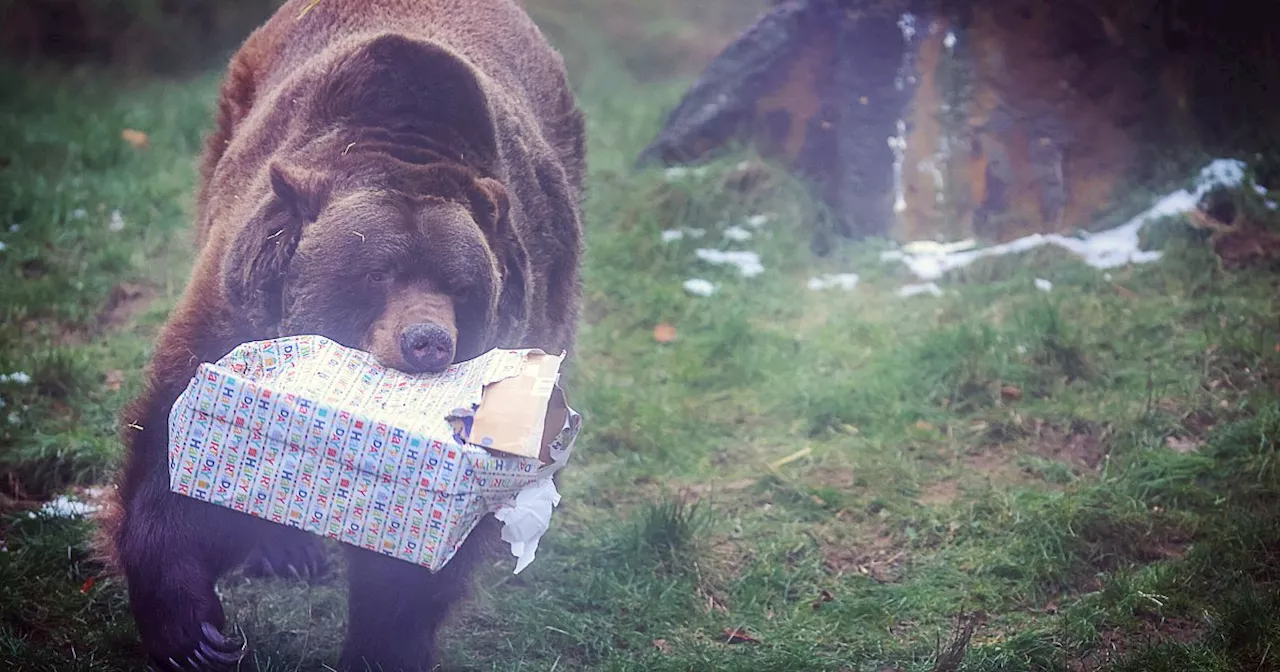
215,653
292,557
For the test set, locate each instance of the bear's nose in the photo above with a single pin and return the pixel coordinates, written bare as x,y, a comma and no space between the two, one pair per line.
427,348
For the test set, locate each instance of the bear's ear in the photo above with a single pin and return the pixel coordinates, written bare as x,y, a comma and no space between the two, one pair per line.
491,208
413,87
490,204
258,260
304,192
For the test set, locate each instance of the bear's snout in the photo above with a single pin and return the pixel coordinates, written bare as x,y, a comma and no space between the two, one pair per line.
427,348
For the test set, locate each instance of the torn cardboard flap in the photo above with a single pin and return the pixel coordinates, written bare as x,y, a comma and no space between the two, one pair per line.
515,412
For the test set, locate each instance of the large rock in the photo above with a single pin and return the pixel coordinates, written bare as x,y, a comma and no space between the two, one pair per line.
995,119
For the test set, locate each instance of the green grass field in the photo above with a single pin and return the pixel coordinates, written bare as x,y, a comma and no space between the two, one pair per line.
1085,478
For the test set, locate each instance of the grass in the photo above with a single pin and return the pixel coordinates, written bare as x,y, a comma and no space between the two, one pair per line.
1091,473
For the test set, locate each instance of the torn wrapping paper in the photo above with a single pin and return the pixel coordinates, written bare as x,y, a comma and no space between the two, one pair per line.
306,433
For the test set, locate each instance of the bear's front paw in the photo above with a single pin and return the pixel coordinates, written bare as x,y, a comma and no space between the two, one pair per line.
211,652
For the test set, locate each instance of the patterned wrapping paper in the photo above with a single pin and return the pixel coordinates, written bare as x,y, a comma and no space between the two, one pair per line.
306,433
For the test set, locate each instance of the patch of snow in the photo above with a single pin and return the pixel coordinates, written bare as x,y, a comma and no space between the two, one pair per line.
117,222
737,233
699,287
748,262
934,247
1271,205
757,221
1044,285
672,235
65,507
3,246
939,181
898,144
845,281
950,40
1103,250
920,288
19,377
681,172
1259,189
907,24
79,213
14,228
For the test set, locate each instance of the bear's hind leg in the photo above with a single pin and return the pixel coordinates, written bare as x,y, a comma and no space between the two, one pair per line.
394,608
287,553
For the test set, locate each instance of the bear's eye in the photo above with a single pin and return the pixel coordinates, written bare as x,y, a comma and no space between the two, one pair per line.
379,277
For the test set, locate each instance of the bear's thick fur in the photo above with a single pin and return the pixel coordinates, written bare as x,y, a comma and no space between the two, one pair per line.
401,176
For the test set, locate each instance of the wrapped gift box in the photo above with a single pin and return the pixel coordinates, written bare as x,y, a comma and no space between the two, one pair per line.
304,432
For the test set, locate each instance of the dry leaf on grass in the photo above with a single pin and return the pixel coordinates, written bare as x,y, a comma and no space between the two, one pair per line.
1010,393
662,645
664,333
824,596
138,139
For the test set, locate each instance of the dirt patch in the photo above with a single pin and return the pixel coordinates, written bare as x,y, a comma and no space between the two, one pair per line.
714,489
998,467
52,332
1114,543
940,493
128,300
722,562
877,554
830,477
1232,376
725,557
1082,446
1196,423
1113,645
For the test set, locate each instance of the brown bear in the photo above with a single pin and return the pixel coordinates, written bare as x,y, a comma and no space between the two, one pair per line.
403,177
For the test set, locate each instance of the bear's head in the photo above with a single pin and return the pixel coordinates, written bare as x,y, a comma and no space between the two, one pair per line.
399,243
